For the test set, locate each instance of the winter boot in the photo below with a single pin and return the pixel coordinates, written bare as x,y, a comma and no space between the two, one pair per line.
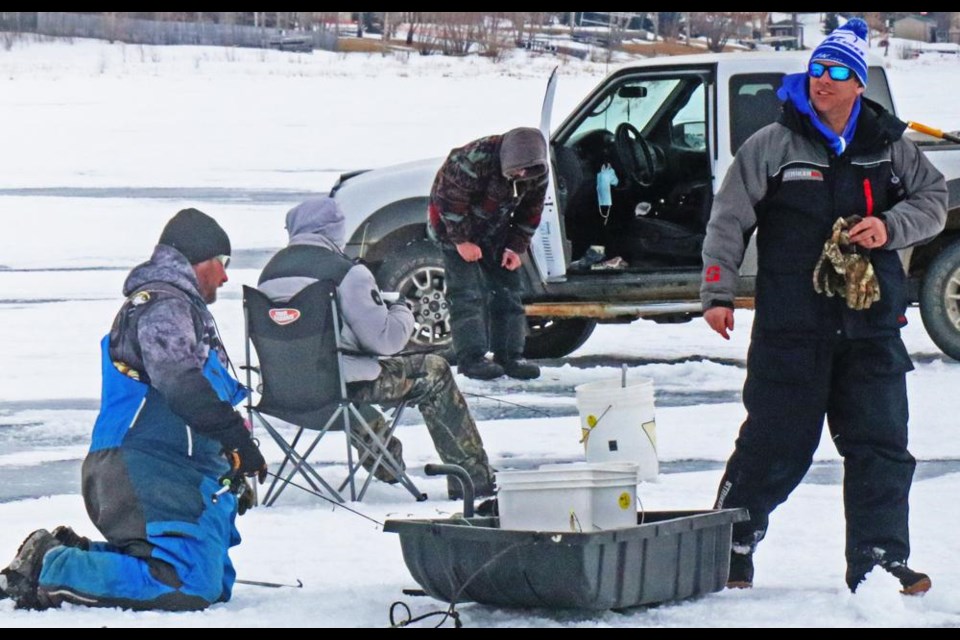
489,508
479,368
21,577
518,368
741,571
913,582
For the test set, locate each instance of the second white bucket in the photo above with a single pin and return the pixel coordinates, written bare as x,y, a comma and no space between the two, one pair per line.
618,424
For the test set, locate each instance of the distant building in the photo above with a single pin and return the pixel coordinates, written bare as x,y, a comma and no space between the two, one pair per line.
780,35
953,29
627,21
787,33
917,28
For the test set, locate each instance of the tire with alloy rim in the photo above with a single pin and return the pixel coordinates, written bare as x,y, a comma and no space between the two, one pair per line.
416,272
940,300
552,338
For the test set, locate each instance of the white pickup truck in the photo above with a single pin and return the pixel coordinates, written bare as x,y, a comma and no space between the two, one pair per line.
669,128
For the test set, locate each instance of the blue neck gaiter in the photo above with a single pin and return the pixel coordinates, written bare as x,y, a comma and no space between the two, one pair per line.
794,90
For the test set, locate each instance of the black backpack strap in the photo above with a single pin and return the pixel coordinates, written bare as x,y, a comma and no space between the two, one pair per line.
124,346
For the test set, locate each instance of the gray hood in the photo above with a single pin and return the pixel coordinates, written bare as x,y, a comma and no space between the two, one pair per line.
316,216
524,148
165,265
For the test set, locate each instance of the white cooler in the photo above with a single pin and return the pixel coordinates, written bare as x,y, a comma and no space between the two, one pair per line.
578,497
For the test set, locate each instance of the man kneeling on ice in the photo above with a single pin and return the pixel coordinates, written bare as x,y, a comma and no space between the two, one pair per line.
157,458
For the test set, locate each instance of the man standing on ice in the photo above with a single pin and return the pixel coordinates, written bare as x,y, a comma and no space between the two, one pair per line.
826,335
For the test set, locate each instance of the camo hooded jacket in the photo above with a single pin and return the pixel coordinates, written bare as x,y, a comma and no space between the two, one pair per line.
472,201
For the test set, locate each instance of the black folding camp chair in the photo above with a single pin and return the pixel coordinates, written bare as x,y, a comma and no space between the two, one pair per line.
300,365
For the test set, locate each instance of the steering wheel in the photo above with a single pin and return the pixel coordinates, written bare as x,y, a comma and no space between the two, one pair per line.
635,154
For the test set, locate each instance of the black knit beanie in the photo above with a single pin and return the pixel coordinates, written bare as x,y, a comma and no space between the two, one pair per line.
524,148
196,235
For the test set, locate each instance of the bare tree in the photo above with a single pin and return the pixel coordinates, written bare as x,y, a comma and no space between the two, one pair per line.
876,23
456,32
496,31
413,19
391,22
9,28
522,22
718,27
669,24
111,25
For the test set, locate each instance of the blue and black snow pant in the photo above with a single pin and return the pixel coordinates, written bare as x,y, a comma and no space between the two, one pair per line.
860,387
148,485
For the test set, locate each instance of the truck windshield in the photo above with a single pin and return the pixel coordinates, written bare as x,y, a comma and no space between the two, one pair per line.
635,101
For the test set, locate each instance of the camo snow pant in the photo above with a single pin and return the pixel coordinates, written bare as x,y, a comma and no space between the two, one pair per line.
425,380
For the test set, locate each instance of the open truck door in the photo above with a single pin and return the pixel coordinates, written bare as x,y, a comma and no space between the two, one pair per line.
547,244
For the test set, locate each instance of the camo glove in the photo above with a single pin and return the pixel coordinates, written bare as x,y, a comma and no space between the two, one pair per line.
862,288
843,271
828,274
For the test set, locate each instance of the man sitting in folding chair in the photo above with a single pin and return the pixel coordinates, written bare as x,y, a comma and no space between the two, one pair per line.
375,328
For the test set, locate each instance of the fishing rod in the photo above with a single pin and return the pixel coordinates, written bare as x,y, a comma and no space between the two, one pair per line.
270,585
501,400
931,131
323,497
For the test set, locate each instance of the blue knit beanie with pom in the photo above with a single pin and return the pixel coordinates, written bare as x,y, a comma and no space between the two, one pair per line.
847,45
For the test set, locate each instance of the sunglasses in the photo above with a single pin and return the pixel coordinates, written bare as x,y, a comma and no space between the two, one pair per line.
224,260
838,73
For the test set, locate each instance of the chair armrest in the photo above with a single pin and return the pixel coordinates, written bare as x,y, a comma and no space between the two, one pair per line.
258,387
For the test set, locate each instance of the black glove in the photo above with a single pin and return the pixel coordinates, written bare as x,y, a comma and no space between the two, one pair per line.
246,499
246,460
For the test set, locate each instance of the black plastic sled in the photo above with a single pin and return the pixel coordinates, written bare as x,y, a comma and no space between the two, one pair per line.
668,556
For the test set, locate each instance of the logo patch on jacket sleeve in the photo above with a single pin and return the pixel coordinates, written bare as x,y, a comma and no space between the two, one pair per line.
284,317
377,300
794,175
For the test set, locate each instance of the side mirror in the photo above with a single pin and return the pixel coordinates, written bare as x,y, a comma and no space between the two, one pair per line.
692,135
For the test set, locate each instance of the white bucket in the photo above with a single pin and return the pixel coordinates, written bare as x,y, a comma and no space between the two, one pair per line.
579,497
618,425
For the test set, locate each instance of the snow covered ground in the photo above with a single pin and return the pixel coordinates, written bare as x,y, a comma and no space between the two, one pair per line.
103,143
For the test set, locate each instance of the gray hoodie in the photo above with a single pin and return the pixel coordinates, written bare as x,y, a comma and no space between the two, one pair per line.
370,325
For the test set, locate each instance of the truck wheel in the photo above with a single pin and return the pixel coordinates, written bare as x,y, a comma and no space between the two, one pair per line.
552,338
940,300
416,272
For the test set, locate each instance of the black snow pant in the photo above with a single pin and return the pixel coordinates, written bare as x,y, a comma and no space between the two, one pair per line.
486,313
860,386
